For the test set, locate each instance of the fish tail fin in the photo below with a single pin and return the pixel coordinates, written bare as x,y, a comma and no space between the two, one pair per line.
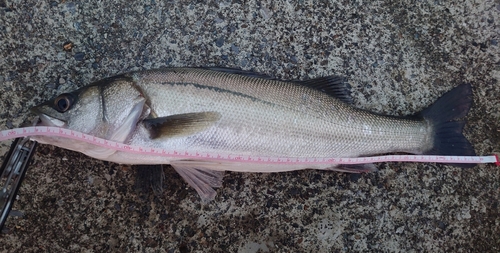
447,117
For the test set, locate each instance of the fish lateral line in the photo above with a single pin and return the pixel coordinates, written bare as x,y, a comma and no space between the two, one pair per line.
71,134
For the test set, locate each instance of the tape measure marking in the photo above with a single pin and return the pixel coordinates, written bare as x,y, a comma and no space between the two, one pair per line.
61,132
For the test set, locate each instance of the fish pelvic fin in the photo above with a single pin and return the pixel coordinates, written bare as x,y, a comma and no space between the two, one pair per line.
200,176
446,116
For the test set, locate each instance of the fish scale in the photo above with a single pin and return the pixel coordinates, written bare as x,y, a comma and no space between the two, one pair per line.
277,118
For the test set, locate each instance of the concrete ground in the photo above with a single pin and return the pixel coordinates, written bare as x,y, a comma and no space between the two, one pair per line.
399,57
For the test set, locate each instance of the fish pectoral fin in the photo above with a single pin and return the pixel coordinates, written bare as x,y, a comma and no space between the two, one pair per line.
354,168
335,86
180,124
149,176
122,133
199,176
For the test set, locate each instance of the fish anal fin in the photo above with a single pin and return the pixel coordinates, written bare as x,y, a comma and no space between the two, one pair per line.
335,86
180,124
199,176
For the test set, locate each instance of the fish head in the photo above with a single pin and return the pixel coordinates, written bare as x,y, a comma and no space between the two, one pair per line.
78,110
108,109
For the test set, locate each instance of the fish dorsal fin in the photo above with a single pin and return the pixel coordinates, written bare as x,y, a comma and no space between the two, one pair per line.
335,86
199,176
240,72
180,124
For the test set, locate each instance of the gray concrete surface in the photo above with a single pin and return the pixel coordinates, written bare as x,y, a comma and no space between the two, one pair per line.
399,56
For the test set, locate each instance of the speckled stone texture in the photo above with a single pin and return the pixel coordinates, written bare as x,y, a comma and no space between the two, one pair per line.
399,57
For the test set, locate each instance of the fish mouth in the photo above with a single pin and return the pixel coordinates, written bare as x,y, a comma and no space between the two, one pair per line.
46,120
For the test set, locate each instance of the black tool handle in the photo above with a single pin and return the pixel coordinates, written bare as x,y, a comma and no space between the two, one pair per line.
12,173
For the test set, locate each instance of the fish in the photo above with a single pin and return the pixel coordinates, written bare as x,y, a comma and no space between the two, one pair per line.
236,112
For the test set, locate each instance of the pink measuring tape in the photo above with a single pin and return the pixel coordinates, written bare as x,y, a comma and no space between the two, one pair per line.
70,134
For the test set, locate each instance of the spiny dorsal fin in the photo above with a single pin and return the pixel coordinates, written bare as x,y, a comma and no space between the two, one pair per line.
240,72
180,124
335,86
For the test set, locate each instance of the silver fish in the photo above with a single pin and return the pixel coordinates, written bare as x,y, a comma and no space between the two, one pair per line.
227,111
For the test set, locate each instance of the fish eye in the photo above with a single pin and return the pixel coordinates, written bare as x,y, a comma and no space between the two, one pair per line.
63,102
